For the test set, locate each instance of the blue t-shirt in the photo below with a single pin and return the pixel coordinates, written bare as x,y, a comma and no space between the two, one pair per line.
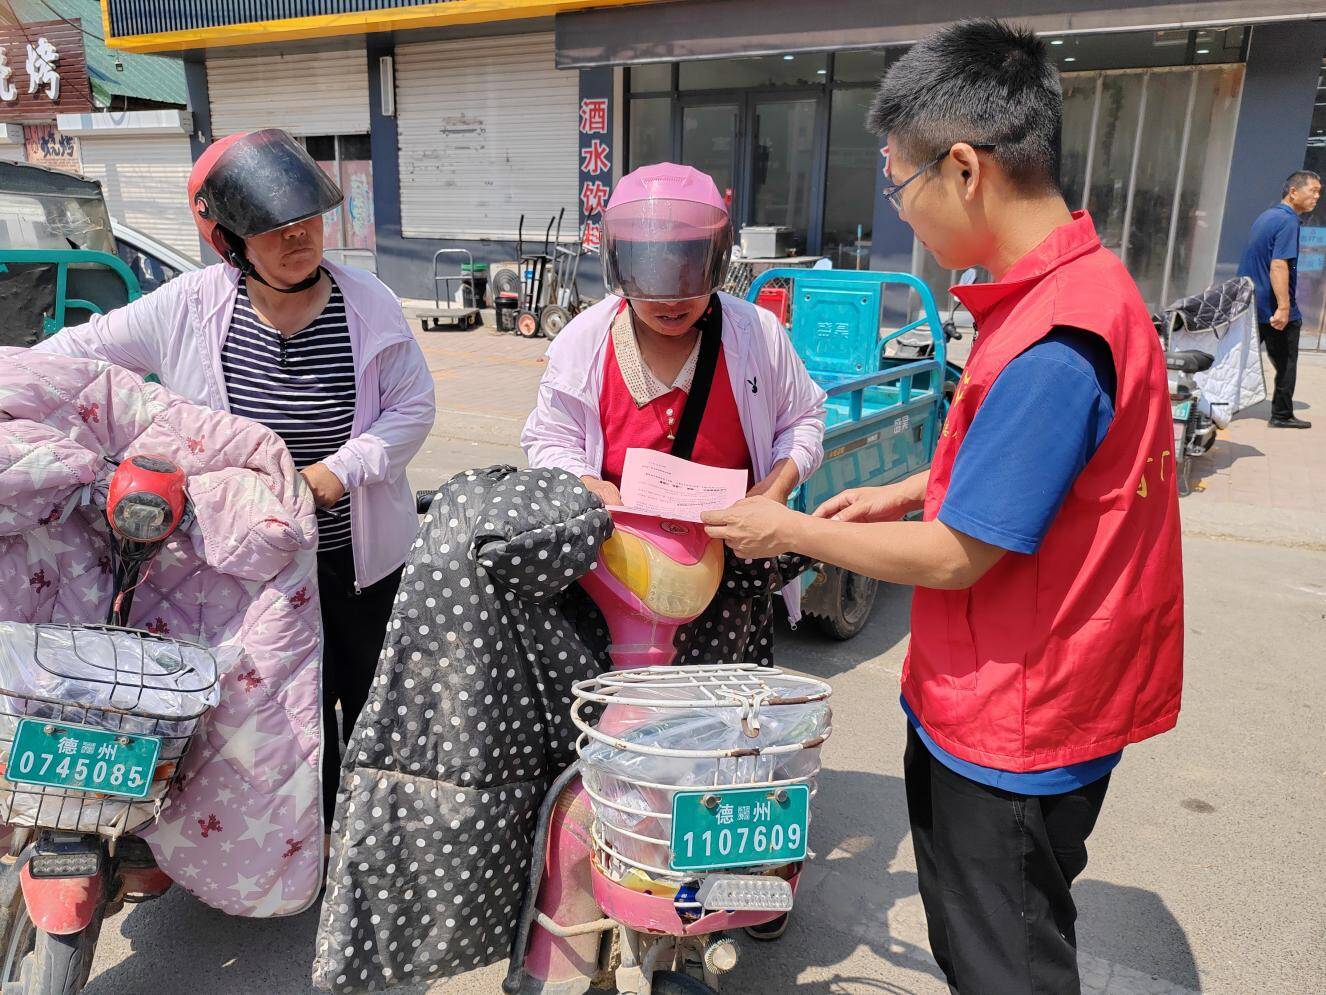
1041,420
1274,236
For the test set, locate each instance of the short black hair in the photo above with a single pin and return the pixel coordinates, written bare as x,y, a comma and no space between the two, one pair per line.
1297,180
982,82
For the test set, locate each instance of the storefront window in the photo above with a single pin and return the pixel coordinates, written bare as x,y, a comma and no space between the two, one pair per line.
1148,49
1155,204
651,78
1079,119
867,66
757,126
1219,45
783,160
650,131
1312,237
347,159
1205,178
1146,242
708,142
849,189
769,70
1111,154
1140,183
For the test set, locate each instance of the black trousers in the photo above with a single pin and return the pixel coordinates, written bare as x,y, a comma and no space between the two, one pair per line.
1282,350
994,870
353,628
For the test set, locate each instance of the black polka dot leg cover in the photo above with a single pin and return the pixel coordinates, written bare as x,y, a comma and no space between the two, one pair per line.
467,724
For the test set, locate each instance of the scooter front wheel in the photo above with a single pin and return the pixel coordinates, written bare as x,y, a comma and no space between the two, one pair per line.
17,933
676,983
41,963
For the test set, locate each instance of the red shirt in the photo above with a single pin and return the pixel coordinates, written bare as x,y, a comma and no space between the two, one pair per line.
1069,653
720,441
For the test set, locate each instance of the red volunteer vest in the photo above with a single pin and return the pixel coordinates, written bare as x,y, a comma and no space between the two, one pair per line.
1072,652
720,441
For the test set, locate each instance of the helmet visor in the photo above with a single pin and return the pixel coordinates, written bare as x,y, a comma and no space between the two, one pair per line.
665,250
265,182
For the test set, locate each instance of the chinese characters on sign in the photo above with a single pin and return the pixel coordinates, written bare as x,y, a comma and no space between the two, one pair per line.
41,69
45,146
43,72
595,154
7,89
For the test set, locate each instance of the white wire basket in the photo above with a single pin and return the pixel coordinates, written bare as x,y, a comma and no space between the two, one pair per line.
115,680
663,730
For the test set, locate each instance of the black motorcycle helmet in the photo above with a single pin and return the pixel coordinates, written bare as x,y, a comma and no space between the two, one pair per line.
252,183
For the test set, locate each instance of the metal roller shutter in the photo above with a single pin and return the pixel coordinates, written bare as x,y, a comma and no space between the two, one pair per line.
306,93
145,180
488,131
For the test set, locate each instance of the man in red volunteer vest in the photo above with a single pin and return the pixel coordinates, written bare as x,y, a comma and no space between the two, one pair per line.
1047,623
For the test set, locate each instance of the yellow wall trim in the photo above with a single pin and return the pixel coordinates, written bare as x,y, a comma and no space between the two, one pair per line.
361,22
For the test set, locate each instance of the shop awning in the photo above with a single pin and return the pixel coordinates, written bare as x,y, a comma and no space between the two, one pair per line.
700,29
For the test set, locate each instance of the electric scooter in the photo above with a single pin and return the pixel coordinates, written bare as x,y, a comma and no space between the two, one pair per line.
687,813
90,749
1194,430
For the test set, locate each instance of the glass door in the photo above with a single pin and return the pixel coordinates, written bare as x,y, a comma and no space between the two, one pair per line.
782,160
709,142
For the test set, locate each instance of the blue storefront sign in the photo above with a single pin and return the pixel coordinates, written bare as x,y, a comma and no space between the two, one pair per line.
595,153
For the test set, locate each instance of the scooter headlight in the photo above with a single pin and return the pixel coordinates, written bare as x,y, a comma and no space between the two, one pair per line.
671,590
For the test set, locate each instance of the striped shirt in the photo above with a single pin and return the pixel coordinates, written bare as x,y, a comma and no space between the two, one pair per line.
300,386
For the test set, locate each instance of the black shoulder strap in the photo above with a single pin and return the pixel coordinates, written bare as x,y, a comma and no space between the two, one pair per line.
711,340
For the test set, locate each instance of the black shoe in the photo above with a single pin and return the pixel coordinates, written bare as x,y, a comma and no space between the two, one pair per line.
1290,422
768,931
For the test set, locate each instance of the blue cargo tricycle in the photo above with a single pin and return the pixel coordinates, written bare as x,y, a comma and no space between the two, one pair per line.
884,415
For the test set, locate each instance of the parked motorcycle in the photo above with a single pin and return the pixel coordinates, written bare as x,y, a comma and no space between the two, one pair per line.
688,811
95,723
1194,430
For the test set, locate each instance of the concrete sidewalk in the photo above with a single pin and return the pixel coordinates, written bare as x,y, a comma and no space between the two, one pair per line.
487,382
1264,484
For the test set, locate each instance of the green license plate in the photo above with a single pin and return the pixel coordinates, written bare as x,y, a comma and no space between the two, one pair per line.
61,755
738,827
1180,410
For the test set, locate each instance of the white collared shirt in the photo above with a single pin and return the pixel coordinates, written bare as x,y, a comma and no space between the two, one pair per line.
641,381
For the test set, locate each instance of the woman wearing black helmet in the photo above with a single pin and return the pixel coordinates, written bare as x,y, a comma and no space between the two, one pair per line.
320,354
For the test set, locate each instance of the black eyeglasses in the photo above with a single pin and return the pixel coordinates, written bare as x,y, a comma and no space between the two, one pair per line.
894,192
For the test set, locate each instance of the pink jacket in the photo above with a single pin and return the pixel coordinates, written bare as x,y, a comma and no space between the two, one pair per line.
781,407
177,332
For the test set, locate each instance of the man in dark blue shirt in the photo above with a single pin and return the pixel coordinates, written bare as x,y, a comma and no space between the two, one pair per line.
1271,260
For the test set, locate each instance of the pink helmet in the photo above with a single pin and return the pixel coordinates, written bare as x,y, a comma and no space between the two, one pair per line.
666,235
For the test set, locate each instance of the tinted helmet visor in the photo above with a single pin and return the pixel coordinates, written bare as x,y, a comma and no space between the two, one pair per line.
266,182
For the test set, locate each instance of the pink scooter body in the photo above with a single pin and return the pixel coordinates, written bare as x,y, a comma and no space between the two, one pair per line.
574,889
642,637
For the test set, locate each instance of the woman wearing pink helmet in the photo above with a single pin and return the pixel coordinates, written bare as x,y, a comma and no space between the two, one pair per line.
621,374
